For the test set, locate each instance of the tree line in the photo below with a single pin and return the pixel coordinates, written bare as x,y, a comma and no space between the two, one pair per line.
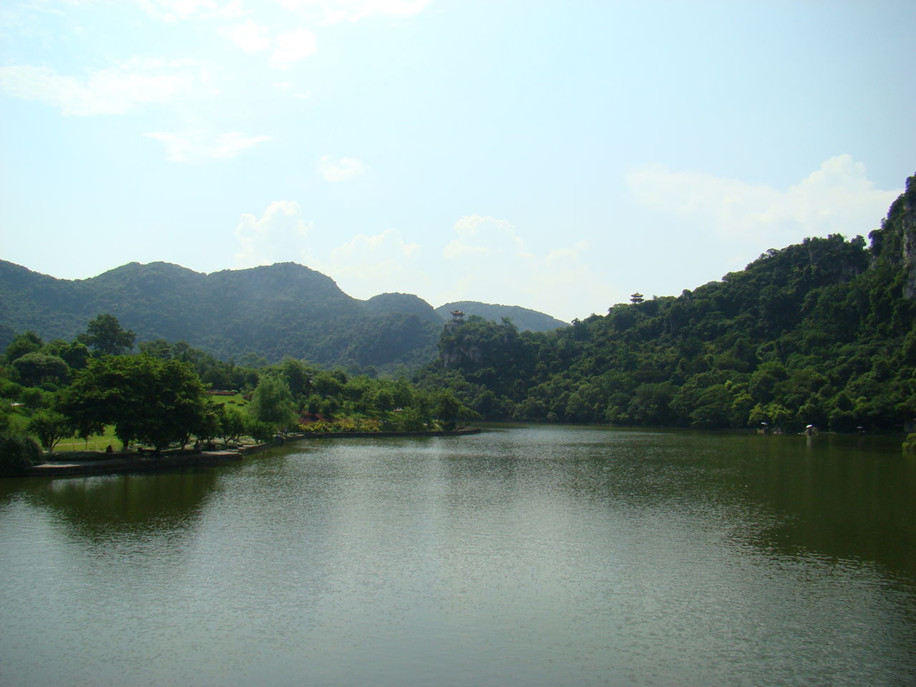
161,396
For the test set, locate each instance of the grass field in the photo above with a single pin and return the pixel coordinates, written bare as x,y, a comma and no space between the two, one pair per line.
237,400
98,442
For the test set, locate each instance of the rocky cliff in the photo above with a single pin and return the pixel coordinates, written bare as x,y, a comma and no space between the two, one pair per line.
895,242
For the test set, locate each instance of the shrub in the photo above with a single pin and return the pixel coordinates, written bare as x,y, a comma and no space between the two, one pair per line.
17,454
261,432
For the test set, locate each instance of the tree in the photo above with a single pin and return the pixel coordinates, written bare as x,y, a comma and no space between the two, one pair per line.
105,335
17,454
231,424
272,402
152,401
447,408
74,353
50,427
297,376
37,368
26,342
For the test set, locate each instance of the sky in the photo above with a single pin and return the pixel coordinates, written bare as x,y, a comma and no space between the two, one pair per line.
559,155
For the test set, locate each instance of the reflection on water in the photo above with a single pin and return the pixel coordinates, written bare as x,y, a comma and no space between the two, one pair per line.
98,506
539,556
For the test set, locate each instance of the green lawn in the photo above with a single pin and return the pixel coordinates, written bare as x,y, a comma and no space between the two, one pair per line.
237,400
98,442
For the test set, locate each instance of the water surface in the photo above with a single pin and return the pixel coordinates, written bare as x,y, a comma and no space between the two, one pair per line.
530,556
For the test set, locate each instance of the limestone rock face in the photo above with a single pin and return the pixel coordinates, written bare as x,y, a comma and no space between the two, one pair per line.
908,228
895,242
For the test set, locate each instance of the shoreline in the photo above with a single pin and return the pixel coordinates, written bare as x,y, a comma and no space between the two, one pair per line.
98,463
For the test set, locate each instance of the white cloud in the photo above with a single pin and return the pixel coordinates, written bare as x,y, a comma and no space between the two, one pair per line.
293,46
250,37
178,10
341,169
354,10
836,198
490,257
280,235
195,147
368,265
292,90
285,48
387,245
116,90
485,236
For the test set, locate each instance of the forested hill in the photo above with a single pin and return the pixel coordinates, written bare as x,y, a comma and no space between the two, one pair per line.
283,309
822,333
271,312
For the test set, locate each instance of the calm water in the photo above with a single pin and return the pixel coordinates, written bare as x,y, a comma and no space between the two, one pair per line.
525,556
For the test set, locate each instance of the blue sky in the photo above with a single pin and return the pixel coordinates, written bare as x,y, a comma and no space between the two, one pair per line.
554,155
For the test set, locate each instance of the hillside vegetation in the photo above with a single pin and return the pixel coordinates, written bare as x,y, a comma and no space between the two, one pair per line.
256,315
818,333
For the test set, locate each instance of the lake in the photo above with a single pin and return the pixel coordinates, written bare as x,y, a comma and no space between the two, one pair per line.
537,555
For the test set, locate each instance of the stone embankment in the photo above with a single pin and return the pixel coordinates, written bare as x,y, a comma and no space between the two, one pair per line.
95,463
121,463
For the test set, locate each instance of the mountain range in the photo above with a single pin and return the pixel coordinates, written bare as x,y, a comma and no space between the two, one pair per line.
263,312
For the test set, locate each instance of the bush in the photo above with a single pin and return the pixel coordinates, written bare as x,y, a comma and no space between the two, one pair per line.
17,454
261,432
909,444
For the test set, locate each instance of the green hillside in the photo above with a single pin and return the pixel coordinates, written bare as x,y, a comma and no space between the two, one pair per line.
271,312
821,333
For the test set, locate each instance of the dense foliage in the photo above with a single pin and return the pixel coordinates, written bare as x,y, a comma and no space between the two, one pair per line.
152,401
160,397
820,333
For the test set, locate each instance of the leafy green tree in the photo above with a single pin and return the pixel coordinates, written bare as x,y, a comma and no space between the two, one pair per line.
447,409
152,401
105,335
259,431
26,342
272,402
210,425
74,353
410,419
34,369
298,376
35,398
50,427
231,424
17,454
329,383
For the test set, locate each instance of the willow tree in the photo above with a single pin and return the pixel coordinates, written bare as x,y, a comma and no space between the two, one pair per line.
272,402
